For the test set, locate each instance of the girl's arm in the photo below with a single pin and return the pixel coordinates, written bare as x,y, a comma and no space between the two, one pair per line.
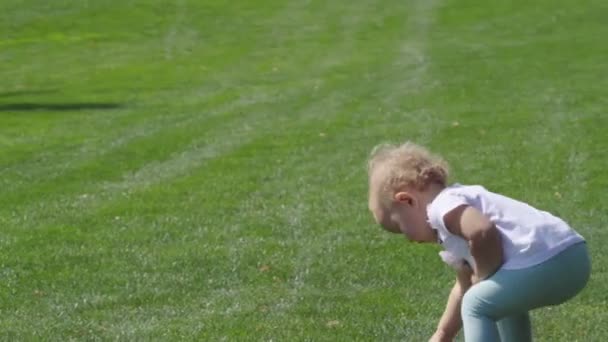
451,322
484,238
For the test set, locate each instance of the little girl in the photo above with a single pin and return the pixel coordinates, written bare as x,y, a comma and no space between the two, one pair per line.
510,257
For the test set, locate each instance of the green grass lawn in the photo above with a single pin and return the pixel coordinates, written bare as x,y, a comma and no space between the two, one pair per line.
195,170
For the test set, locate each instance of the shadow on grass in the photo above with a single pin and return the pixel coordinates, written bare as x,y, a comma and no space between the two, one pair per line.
32,106
16,93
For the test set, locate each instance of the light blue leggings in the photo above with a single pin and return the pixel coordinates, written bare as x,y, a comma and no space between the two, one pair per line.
496,309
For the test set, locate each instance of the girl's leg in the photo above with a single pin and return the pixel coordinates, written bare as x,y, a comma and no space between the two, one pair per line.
515,292
515,328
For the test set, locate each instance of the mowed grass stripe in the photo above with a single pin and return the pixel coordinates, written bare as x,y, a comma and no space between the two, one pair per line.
69,175
330,133
131,77
244,151
299,284
71,157
180,130
312,111
102,143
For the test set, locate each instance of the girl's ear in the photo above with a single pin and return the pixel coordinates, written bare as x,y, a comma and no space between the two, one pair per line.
405,198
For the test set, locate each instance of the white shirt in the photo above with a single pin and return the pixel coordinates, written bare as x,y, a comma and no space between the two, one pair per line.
529,236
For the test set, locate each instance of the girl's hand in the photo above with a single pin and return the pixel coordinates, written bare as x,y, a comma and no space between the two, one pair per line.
474,279
452,260
465,276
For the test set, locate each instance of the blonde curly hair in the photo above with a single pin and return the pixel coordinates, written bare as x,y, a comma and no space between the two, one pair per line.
395,167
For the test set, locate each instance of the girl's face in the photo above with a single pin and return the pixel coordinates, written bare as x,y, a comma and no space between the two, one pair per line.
412,222
405,215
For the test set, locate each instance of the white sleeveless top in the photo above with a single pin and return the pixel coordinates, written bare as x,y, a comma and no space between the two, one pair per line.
529,236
